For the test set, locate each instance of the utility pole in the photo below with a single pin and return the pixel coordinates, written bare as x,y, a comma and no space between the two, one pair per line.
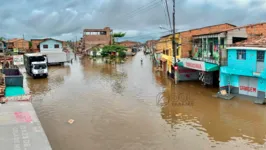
76,44
23,43
174,44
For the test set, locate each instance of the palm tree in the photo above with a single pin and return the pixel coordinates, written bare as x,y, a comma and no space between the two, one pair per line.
118,35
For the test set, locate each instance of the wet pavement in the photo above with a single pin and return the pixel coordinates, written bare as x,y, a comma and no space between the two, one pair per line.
130,106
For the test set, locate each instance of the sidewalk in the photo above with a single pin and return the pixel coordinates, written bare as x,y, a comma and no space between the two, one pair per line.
20,128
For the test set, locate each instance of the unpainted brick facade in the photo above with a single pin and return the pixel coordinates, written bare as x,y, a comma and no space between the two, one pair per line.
255,30
36,45
20,44
93,37
128,43
186,36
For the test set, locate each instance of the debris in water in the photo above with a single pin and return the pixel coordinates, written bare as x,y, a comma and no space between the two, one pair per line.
178,114
70,121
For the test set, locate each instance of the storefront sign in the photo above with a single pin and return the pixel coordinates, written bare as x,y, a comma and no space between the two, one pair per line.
18,60
248,89
192,64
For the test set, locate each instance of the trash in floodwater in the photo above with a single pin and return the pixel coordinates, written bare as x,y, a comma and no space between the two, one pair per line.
178,114
223,92
70,121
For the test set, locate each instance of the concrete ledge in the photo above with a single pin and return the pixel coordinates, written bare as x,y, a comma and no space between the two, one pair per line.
25,98
20,128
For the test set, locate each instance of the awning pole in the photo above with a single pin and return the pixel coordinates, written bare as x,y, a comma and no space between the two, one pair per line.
229,91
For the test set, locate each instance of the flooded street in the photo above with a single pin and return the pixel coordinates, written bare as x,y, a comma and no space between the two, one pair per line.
120,107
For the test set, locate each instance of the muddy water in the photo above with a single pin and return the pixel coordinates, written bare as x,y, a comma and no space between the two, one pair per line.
130,106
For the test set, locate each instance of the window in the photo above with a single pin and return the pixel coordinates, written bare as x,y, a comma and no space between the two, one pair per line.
56,46
222,43
241,54
260,56
45,46
103,33
40,66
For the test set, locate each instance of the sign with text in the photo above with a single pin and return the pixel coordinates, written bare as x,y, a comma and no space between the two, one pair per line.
18,60
248,89
192,64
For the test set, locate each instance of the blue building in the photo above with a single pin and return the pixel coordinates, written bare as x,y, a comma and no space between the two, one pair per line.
245,72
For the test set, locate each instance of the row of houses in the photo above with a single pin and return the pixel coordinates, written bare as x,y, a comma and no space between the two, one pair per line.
34,45
225,55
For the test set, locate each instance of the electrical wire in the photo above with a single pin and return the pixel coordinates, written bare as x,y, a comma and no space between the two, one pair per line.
147,9
136,11
168,14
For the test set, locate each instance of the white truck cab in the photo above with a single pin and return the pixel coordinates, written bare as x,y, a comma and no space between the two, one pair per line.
36,65
39,69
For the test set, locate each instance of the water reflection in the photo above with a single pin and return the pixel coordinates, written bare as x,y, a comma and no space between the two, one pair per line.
56,77
219,120
114,107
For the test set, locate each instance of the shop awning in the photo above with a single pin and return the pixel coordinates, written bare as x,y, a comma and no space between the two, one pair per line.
180,64
211,67
198,65
163,60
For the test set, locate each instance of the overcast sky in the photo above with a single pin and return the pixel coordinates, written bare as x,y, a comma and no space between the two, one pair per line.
140,19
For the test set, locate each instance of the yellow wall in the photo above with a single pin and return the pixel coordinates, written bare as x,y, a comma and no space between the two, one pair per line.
165,43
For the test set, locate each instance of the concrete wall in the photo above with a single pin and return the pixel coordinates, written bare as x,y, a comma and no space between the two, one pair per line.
236,33
248,64
13,77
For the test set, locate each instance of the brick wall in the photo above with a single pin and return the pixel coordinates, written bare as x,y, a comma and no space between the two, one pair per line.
35,44
92,40
19,44
256,29
128,43
186,36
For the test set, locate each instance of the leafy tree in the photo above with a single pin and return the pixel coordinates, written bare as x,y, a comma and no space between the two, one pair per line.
2,38
118,35
108,49
30,44
122,54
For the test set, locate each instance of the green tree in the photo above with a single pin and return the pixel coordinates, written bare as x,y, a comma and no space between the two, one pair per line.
2,38
30,44
108,49
117,35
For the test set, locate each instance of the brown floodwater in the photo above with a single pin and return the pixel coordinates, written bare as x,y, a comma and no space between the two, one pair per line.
131,106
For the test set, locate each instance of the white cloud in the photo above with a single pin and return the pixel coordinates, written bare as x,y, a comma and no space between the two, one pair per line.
64,19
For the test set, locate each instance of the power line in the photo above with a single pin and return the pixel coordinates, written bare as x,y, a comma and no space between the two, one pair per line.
168,14
143,10
165,13
138,9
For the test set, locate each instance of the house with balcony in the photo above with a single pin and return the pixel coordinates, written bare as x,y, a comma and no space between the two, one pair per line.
93,37
245,72
209,51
